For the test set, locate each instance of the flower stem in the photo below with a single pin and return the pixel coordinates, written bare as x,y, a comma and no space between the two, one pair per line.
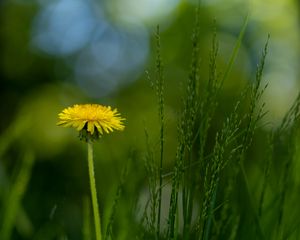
93,191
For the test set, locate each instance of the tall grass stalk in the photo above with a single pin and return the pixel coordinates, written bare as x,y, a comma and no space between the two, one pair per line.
190,112
222,153
255,113
208,107
209,100
160,96
155,169
153,176
185,139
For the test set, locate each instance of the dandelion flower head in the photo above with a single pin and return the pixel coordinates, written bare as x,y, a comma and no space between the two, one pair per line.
91,119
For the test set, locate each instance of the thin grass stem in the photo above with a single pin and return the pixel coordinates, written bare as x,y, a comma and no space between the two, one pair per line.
160,95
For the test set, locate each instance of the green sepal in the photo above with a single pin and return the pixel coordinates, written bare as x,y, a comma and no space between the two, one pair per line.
84,135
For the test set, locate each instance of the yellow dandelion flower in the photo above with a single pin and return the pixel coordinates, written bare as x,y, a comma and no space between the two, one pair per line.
92,119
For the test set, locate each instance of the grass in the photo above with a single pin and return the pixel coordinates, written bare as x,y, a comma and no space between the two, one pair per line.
15,195
198,176
211,195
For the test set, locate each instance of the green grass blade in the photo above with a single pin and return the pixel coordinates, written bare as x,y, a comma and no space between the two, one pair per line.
15,196
236,49
160,96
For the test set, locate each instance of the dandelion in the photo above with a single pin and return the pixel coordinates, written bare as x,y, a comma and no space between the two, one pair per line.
92,121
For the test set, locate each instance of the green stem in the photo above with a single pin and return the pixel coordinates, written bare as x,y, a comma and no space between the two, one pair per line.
211,212
160,178
93,191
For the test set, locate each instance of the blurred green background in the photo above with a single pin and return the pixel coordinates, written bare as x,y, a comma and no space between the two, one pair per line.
54,54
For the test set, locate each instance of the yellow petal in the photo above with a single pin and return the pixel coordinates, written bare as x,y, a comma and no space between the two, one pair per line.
91,127
81,125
